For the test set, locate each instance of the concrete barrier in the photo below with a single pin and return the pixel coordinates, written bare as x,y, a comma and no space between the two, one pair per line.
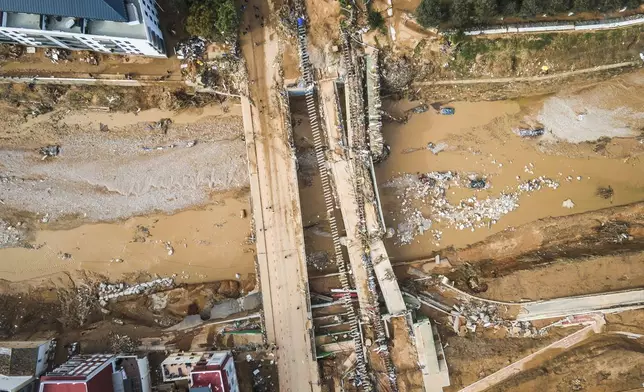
555,26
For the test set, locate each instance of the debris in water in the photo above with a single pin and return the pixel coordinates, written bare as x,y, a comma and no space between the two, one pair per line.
447,111
477,183
64,256
169,248
422,108
436,148
531,132
568,204
605,192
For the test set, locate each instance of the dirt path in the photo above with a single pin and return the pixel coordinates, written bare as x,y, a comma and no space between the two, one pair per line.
532,78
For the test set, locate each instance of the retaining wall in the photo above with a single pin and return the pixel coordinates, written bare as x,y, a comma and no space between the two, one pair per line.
556,26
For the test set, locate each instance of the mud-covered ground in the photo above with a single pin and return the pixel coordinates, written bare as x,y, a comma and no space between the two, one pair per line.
515,236
141,180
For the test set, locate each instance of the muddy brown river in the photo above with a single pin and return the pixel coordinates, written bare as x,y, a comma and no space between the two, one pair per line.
480,141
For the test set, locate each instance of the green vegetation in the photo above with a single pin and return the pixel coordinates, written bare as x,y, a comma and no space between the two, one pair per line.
216,20
376,21
463,13
509,56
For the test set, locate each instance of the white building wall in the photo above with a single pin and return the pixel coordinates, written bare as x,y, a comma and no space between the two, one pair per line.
43,355
37,38
144,372
231,375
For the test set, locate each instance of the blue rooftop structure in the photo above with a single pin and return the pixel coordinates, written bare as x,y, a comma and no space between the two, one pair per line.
111,10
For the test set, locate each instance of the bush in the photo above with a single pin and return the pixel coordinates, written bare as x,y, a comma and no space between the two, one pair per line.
429,13
216,20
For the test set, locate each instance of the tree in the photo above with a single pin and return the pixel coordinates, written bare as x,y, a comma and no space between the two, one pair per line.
429,13
611,5
375,19
201,19
584,5
460,12
557,6
531,7
485,9
213,19
510,7
227,20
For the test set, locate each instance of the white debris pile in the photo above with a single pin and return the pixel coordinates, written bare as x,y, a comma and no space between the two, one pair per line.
536,184
473,213
11,236
414,225
108,292
430,189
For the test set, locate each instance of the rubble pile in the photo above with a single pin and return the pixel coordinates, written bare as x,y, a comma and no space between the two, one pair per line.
108,292
11,236
49,151
430,190
56,55
191,49
397,73
122,343
471,315
318,260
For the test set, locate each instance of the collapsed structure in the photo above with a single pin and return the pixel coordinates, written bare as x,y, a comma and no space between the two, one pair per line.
345,150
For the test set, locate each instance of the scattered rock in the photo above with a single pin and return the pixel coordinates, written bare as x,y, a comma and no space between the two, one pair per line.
49,151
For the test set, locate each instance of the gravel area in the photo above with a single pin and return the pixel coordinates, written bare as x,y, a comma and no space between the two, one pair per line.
10,236
609,110
134,171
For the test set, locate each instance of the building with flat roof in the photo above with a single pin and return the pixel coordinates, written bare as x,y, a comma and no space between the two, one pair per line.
205,371
99,373
21,363
107,26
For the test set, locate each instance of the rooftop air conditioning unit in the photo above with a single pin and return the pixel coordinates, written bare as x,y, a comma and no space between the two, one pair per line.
132,14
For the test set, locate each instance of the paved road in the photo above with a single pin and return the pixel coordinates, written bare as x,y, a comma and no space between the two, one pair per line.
536,358
276,210
561,307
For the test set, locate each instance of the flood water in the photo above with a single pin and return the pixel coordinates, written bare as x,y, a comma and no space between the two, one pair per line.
480,142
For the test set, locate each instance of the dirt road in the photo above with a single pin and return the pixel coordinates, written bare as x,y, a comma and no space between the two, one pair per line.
276,208
531,78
